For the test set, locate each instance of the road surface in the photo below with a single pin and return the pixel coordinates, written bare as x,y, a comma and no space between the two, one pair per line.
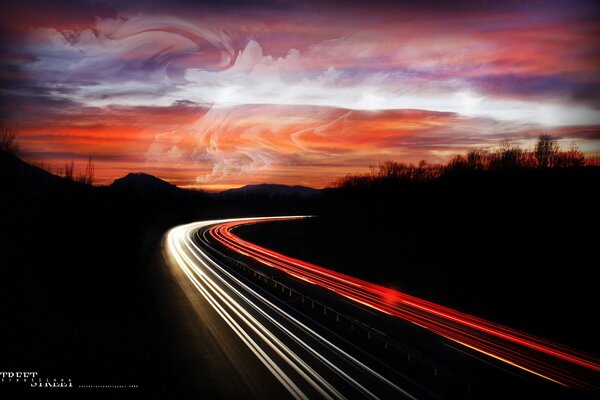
304,357
308,359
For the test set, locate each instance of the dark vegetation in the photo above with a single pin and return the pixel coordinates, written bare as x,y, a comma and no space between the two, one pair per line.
76,300
86,176
8,140
508,234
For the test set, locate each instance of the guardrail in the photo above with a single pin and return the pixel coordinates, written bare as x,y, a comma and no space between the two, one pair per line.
372,334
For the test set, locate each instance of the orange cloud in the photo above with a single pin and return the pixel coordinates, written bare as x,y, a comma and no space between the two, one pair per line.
215,97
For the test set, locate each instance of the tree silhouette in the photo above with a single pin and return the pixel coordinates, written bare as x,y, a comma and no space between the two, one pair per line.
546,150
478,159
8,140
574,157
69,170
87,176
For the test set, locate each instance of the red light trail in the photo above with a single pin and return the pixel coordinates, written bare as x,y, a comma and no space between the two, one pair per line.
551,361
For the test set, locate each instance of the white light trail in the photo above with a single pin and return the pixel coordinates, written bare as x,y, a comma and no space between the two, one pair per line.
263,326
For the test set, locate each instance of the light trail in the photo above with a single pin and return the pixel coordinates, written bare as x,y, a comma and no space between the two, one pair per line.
304,361
543,358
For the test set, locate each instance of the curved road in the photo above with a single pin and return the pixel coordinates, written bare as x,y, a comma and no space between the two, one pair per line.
308,359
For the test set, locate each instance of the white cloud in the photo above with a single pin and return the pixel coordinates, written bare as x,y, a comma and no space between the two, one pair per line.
256,78
129,59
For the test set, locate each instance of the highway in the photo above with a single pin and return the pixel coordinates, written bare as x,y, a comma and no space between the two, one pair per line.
312,361
306,358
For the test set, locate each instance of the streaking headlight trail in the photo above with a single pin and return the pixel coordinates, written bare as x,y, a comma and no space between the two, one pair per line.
306,362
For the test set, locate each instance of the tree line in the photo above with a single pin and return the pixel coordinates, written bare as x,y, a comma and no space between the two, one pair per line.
545,154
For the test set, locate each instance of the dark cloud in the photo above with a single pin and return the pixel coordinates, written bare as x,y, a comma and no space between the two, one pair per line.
541,86
58,155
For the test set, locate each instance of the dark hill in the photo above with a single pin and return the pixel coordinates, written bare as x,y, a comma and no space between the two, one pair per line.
16,174
271,190
144,184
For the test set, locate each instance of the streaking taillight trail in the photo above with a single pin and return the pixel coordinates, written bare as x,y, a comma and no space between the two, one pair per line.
551,361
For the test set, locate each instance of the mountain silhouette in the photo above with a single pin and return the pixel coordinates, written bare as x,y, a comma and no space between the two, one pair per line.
144,184
16,174
271,190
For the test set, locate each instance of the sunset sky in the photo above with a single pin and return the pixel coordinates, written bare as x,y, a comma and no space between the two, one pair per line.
229,93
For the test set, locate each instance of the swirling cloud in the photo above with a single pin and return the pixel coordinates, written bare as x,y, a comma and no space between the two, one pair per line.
231,94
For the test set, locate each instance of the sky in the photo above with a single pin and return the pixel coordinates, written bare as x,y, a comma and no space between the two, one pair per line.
220,94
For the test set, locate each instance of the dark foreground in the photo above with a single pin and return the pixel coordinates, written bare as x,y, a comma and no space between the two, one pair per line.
447,364
83,292
518,249
83,298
